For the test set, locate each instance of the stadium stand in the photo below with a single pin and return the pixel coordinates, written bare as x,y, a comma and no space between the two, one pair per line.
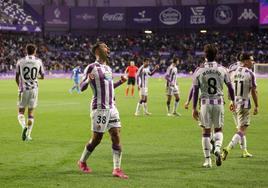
62,52
12,13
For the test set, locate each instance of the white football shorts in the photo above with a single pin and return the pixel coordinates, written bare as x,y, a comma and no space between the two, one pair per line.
212,115
144,91
172,90
104,119
28,98
241,117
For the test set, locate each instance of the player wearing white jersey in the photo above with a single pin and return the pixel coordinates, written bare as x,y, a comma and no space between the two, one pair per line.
142,81
209,78
172,87
104,114
28,70
244,82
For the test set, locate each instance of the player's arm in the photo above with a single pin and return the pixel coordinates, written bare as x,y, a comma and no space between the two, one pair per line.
126,71
17,77
41,72
122,80
155,69
230,88
254,94
190,96
88,76
196,86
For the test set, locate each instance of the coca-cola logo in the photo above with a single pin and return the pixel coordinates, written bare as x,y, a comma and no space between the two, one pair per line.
116,17
170,16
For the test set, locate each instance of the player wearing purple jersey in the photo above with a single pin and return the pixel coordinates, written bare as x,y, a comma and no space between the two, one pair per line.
210,78
142,81
244,82
104,114
28,70
172,87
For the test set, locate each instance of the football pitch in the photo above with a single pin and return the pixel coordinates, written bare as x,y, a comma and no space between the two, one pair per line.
158,151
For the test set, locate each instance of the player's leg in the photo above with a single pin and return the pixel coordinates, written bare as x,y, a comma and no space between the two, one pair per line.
145,106
218,122
24,98
117,153
21,117
30,124
132,87
89,148
114,126
176,103
206,146
21,109
127,90
205,123
77,86
32,105
168,105
140,103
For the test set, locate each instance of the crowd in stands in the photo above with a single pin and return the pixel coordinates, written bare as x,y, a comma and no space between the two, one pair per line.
12,13
63,52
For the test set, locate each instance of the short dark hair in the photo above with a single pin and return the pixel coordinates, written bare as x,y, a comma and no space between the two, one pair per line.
146,59
245,56
96,46
30,48
175,59
210,52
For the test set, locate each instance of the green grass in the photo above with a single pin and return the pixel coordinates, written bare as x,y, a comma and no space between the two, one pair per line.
158,151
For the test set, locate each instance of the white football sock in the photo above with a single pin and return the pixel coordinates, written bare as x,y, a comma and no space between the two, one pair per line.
243,144
138,108
117,156
175,106
218,141
85,155
21,119
30,126
206,146
236,138
145,107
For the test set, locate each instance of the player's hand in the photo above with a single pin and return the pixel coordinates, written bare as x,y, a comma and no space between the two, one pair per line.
195,114
232,107
123,79
91,77
156,66
186,105
256,110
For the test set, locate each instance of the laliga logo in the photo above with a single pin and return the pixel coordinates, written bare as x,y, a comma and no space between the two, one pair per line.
170,16
223,14
248,14
57,12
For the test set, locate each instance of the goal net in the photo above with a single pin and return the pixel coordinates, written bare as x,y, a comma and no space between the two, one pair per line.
261,69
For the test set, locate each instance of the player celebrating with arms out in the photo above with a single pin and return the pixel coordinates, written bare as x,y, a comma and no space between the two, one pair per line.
131,71
244,82
209,78
104,114
172,87
28,70
142,81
